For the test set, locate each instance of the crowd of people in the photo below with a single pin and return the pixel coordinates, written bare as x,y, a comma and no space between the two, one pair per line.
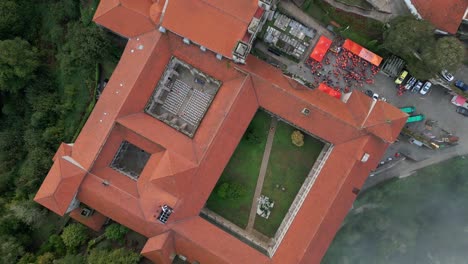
342,70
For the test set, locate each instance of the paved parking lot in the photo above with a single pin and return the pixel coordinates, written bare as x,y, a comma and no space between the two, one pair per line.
436,105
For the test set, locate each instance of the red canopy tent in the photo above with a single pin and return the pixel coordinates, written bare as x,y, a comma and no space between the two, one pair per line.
320,48
330,91
362,52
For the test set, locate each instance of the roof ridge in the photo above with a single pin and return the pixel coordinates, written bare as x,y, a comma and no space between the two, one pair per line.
209,143
223,11
342,182
96,15
304,100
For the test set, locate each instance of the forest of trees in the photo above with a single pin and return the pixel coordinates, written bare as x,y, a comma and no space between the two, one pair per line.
48,56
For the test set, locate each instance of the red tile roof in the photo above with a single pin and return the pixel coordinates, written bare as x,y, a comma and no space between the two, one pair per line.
446,15
61,185
210,244
385,121
217,25
128,18
95,221
160,248
182,171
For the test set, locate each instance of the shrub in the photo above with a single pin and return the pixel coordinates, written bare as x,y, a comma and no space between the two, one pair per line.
118,256
297,138
116,232
251,136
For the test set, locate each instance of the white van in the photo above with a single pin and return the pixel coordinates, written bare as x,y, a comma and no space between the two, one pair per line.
416,142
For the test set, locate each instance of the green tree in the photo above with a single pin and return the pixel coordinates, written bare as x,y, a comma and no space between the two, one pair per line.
414,41
27,258
74,236
46,258
117,256
71,259
407,36
10,249
116,232
84,47
447,53
11,20
18,62
29,212
54,245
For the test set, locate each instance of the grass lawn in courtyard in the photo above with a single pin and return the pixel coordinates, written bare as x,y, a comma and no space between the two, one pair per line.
288,167
242,170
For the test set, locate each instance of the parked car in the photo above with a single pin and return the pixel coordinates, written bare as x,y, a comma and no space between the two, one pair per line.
461,85
369,93
410,83
402,77
416,142
426,87
459,100
417,87
447,75
462,111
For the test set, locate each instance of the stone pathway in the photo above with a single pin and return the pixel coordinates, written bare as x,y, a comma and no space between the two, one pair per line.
261,175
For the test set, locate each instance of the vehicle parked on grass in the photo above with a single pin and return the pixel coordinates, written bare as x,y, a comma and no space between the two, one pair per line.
408,109
411,81
426,87
462,110
459,100
461,85
447,75
417,87
415,118
401,77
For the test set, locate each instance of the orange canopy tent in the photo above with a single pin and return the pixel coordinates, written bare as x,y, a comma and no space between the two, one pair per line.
330,91
320,48
362,52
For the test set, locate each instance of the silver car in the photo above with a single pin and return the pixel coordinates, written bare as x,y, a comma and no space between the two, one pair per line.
426,87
